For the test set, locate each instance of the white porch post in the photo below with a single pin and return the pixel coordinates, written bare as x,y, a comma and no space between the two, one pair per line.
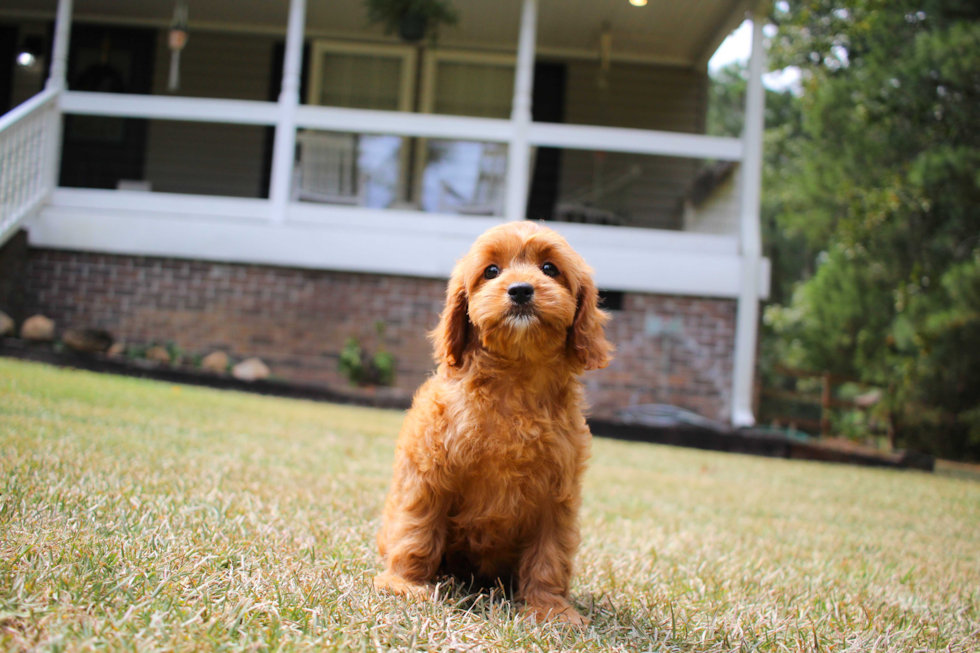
59,49
283,152
57,79
747,321
518,150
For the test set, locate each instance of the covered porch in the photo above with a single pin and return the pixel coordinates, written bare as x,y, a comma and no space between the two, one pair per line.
422,222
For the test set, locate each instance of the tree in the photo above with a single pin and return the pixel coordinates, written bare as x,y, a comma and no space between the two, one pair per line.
883,181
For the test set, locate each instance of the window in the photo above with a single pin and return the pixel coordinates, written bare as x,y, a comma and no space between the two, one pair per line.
463,176
362,76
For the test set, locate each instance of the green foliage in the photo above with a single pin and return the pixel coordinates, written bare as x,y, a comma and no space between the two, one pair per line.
363,368
877,188
350,364
391,13
383,364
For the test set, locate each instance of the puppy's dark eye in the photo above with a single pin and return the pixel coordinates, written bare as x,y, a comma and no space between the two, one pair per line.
491,272
549,270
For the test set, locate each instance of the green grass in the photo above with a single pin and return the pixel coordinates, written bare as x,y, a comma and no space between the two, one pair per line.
143,516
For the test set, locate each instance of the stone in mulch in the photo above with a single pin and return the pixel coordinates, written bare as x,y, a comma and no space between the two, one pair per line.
87,340
7,326
216,361
116,350
37,328
250,369
158,354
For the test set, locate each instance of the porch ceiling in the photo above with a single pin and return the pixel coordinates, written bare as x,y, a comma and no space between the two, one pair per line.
686,32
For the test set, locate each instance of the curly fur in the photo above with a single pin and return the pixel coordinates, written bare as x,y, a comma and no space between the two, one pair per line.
489,462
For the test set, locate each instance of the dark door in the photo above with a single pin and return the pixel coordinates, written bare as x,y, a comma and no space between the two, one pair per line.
99,151
548,105
8,54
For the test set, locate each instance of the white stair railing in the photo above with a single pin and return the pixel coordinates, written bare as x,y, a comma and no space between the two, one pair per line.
28,151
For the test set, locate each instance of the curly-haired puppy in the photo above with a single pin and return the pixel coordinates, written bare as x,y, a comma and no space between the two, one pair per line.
489,463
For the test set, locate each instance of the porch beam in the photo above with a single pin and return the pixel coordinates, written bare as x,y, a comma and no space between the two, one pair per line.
519,149
750,233
728,24
284,149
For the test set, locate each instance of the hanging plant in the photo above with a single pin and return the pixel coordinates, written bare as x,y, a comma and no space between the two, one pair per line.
412,19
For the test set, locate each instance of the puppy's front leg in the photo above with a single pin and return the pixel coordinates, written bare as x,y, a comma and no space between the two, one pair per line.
414,535
546,567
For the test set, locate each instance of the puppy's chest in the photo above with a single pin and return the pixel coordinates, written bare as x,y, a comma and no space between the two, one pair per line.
509,445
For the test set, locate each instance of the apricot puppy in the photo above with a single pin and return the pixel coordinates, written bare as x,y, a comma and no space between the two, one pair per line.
489,462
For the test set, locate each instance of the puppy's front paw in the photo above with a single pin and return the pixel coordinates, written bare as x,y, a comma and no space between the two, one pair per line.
555,608
389,581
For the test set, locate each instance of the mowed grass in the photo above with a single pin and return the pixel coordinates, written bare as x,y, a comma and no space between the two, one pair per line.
143,516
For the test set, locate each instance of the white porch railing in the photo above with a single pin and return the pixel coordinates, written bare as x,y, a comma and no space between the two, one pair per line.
28,151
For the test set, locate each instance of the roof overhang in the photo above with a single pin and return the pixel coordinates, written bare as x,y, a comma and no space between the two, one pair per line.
684,33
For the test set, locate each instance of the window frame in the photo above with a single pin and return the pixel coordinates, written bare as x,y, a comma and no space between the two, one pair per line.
407,53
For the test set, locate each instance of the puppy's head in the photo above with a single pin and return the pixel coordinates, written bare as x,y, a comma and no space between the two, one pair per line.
521,292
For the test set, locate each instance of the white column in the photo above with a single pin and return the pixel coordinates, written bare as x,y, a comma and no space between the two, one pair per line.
747,320
518,151
57,80
59,49
283,152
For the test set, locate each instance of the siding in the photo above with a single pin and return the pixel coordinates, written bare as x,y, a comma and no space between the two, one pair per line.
206,158
639,97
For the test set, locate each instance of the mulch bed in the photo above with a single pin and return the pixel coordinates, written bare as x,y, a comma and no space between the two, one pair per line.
744,441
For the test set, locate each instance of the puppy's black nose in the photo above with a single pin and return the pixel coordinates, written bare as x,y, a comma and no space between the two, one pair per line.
520,293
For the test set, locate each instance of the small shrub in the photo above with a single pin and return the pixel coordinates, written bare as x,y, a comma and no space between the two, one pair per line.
350,363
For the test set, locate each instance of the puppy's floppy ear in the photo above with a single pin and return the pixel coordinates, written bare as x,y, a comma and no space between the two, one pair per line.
586,338
452,333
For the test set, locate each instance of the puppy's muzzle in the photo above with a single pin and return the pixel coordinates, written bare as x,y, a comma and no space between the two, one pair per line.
520,293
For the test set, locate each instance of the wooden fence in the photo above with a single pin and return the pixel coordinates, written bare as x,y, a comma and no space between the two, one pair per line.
826,400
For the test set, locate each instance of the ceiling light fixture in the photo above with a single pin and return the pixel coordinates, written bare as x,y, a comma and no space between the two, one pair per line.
29,52
638,3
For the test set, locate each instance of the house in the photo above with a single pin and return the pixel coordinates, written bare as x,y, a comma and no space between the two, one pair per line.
305,176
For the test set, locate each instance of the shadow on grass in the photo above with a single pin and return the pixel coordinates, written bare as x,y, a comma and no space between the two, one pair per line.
612,625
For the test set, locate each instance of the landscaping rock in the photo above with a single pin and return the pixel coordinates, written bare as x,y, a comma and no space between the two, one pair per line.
251,369
37,328
158,354
216,361
87,340
7,326
116,350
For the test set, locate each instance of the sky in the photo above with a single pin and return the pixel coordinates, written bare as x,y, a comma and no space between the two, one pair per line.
738,46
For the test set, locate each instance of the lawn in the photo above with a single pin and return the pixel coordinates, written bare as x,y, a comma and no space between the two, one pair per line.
144,516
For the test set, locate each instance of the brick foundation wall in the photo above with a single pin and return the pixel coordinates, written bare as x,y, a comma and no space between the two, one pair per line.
675,350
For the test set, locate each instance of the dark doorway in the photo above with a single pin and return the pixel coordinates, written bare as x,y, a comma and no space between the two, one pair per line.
99,151
548,106
8,56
